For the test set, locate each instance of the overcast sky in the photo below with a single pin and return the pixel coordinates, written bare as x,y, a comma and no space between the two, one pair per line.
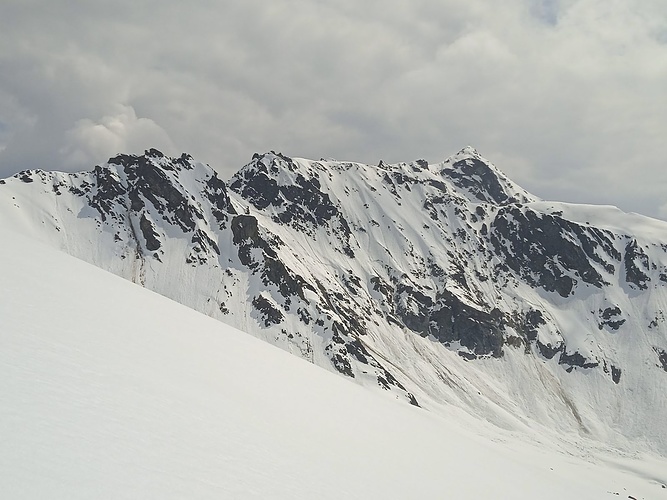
567,97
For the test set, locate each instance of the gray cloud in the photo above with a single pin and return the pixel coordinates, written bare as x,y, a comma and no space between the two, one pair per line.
565,96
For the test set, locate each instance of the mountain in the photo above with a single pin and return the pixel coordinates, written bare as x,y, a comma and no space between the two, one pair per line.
110,391
446,285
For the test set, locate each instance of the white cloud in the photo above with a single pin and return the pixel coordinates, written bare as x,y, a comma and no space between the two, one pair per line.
122,131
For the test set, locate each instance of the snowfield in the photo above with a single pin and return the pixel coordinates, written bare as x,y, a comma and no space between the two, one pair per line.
108,390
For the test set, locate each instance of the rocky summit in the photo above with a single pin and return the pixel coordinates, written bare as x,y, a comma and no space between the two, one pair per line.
441,284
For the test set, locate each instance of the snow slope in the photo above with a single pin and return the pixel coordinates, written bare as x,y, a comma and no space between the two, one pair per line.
111,391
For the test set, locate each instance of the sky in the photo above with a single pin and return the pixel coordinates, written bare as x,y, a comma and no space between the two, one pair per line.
567,97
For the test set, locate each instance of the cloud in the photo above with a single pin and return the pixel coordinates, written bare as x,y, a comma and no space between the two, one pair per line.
566,96
546,10
89,141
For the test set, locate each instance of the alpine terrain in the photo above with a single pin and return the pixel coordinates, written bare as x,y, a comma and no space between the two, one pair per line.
443,285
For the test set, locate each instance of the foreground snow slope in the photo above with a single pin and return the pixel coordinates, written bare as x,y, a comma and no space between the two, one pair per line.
111,391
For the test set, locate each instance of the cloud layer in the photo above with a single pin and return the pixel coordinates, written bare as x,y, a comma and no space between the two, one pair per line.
566,96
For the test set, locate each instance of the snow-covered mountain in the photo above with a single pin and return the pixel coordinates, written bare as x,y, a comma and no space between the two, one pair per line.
447,284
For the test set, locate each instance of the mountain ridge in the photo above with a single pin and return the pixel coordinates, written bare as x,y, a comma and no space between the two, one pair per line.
419,279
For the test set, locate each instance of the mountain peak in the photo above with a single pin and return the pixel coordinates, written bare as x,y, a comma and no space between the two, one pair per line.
482,180
468,151
153,158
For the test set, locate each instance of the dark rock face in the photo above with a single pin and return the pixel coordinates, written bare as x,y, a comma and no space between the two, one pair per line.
479,331
216,193
549,251
151,187
301,204
149,182
25,177
528,325
306,202
203,247
615,374
413,308
662,357
476,176
610,317
258,188
636,262
247,237
110,189
575,359
548,350
271,315
447,318
150,235
245,229
288,284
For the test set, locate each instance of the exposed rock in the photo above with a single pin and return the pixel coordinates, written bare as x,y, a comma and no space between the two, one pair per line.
662,357
610,317
216,193
109,193
480,331
635,260
575,359
549,351
151,237
300,204
25,177
149,181
548,251
478,178
271,315
615,374
527,324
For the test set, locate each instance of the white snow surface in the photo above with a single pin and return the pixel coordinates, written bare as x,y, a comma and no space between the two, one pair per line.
108,390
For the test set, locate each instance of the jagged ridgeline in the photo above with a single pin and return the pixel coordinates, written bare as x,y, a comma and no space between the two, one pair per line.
422,280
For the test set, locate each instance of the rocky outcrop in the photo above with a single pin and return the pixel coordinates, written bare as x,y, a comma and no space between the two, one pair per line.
550,251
